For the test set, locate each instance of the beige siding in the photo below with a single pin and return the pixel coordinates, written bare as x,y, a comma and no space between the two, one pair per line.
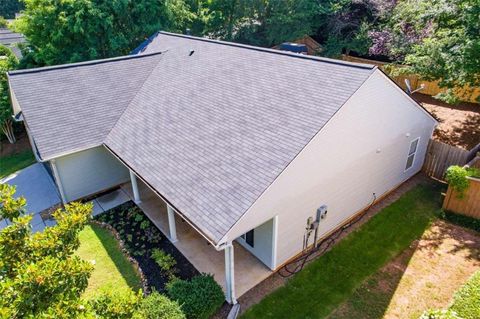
361,151
262,243
90,171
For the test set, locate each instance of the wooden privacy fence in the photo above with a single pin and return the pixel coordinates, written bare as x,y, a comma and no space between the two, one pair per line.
469,204
440,156
466,93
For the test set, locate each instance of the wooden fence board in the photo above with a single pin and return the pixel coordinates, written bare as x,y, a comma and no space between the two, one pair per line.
440,156
469,204
466,93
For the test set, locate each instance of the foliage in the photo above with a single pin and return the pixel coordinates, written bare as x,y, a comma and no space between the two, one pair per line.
157,306
199,298
123,304
461,220
3,22
456,176
466,300
8,8
77,30
439,314
40,274
8,62
165,261
334,277
15,162
439,40
451,53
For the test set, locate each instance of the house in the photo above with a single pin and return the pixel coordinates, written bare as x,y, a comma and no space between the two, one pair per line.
11,40
241,145
307,43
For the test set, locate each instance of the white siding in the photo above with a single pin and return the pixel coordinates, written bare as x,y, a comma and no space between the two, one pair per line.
262,244
361,151
90,171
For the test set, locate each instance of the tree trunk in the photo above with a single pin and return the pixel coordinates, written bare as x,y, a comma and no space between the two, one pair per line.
7,129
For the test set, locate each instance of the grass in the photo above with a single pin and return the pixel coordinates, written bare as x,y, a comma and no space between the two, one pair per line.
466,302
113,271
332,279
12,163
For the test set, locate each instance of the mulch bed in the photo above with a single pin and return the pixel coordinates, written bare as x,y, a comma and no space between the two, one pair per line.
140,236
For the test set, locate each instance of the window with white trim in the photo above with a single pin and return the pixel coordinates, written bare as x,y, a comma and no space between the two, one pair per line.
411,153
249,238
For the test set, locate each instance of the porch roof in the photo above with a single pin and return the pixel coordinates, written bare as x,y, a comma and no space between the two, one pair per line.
209,125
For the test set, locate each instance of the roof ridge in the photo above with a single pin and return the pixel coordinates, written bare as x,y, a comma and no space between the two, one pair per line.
84,63
273,51
134,96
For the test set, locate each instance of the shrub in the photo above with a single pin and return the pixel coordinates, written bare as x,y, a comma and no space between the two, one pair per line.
199,298
157,306
123,304
439,314
461,220
164,260
466,301
456,177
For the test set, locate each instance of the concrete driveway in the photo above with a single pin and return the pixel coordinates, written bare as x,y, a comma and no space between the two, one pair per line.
35,184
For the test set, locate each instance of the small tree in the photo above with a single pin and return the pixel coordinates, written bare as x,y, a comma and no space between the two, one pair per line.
39,273
8,61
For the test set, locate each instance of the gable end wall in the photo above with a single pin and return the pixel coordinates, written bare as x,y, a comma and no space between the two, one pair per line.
361,151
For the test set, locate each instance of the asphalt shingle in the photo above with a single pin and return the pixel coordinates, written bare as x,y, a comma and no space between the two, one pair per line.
208,130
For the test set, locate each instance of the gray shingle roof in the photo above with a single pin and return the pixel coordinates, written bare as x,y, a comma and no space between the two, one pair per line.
209,131
73,107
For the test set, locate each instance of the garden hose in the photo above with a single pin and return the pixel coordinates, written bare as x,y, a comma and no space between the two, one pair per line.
299,262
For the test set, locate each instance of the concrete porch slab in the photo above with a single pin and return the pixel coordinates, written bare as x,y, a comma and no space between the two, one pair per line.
35,184
109,201
249,271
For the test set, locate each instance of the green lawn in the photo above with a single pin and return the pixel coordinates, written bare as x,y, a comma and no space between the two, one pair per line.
12,163
112,270
466,302
330,280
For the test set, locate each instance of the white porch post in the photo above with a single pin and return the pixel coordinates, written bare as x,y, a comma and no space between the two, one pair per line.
136,194
274,242
58,181
171,224
229,274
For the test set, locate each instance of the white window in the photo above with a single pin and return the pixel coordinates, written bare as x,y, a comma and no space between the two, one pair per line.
248,237
411,153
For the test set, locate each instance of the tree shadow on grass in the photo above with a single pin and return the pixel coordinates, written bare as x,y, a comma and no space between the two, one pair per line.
372,299
120,260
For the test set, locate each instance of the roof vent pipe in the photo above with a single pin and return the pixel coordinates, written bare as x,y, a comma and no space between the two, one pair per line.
191,53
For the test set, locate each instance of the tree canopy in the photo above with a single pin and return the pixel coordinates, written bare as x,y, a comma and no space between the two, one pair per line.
64,31
8,8
8,61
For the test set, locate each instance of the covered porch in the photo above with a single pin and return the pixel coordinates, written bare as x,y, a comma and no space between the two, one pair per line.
234,266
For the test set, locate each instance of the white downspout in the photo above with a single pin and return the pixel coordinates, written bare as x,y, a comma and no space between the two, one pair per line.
230,273
136,194
171,224
58,181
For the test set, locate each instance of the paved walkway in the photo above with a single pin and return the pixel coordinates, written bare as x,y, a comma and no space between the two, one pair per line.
37,186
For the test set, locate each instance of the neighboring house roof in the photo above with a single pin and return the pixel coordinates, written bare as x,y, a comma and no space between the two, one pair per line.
11,39
208,124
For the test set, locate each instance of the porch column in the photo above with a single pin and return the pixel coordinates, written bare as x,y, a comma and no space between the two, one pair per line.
229,274
136,194
171,224
274,242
